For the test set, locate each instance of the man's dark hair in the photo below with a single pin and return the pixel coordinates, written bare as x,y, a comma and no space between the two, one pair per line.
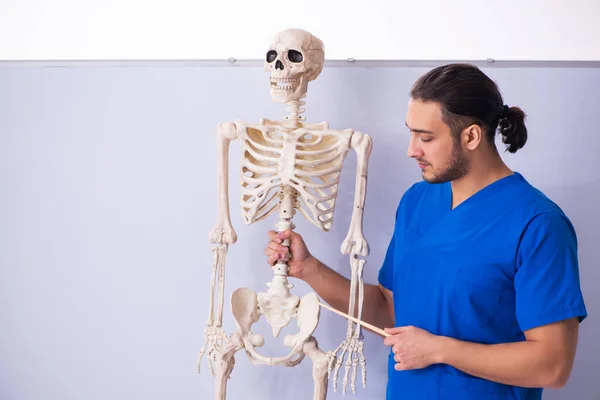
468,96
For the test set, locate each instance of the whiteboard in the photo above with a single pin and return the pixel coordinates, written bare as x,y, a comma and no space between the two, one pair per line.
536,30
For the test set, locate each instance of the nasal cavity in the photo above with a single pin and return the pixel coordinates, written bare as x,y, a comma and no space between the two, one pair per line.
279,65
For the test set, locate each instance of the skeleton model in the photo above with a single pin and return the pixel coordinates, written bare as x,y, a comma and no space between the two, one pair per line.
287,166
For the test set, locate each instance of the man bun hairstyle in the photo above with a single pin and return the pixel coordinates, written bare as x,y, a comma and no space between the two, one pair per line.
468,96
512,128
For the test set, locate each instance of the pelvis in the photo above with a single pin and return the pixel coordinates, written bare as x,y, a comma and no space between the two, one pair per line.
278,308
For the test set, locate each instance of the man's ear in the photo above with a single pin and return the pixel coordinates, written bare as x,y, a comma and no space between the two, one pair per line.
471,137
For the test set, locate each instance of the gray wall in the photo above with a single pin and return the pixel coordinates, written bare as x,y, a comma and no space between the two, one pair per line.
107,182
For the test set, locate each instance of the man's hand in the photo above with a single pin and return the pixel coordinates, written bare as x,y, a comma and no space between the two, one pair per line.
301,260
544,359
413,348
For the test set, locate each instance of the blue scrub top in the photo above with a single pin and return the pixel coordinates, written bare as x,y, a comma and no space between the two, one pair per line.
502,262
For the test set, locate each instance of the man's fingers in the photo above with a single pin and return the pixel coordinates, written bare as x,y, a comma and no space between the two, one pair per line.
273,255
279,237
273,236
270,256
396,330
278,248
390,340
400,367
287,234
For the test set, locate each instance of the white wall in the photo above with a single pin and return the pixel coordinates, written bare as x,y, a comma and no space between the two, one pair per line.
360,29
107,195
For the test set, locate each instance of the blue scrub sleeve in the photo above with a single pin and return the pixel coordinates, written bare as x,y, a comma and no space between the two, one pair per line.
386,272
547,280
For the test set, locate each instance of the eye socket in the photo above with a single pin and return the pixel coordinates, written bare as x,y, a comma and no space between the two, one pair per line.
295,56
271,56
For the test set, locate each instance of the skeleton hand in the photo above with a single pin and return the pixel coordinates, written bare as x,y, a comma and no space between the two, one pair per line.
215,339
355,243
222,234
352,347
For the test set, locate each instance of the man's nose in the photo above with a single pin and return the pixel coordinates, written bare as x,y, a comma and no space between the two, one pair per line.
413,150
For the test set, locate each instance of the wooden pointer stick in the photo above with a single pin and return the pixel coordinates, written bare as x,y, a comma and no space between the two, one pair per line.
358,321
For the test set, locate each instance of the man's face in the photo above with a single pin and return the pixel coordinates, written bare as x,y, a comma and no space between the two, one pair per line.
438,154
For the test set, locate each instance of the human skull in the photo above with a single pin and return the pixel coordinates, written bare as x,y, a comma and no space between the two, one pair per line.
295,57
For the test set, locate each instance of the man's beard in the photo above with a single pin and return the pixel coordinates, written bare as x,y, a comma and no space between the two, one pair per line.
456,168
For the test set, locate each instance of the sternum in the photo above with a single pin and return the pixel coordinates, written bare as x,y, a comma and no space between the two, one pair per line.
287,160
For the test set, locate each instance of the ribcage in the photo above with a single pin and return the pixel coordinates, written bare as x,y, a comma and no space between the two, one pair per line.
260,182
308,161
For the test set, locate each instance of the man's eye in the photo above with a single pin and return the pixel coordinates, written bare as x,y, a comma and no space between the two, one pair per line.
426,140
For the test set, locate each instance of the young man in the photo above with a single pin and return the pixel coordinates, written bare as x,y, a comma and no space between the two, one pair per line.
481,280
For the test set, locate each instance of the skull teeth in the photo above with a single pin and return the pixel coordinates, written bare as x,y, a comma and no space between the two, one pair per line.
283,87
292,80
284,83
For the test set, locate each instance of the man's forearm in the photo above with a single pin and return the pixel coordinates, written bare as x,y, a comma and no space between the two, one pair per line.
335,290
526,364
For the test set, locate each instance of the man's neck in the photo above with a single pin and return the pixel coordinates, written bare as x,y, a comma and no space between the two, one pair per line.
480,175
